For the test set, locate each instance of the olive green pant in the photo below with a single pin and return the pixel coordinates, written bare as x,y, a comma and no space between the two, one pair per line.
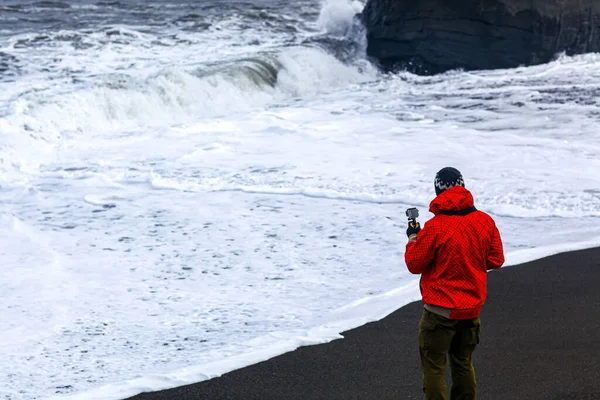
441,338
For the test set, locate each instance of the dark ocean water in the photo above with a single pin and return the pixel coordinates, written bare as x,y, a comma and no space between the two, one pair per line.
46,36
154,15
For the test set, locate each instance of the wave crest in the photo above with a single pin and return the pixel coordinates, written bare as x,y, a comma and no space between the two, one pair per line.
120,102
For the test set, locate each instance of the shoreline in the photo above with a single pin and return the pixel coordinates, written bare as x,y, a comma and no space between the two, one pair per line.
168,383
538,342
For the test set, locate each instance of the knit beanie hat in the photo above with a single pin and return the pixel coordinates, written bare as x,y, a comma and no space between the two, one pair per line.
446,178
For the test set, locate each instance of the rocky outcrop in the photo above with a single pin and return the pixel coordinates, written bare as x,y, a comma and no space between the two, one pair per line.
432,36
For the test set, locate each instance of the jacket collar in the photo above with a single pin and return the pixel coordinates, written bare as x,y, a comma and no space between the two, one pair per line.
454,199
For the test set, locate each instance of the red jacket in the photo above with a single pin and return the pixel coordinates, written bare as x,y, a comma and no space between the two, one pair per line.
453,254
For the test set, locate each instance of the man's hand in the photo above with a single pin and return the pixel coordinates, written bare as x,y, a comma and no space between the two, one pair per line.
413,230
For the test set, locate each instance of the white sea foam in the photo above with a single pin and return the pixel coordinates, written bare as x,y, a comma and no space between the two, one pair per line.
358,313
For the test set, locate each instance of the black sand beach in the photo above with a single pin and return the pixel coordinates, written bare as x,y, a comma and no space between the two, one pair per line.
540,340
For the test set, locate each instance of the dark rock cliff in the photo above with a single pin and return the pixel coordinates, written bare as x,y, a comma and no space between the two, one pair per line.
432,36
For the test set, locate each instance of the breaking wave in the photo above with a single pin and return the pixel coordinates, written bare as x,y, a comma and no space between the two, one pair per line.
176,95
76,99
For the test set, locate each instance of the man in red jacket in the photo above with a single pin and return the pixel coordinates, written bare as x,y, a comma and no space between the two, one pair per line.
453,253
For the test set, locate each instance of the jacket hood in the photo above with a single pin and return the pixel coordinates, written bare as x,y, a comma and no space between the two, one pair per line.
454,199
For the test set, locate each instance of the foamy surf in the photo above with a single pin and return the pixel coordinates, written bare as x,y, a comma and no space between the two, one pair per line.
123,103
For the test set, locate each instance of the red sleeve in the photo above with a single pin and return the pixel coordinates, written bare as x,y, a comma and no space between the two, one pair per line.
420,253
495,257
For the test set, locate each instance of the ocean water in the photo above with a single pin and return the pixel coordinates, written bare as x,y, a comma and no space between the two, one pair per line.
188,188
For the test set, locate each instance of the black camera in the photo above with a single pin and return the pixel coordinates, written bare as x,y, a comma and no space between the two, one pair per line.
412,214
